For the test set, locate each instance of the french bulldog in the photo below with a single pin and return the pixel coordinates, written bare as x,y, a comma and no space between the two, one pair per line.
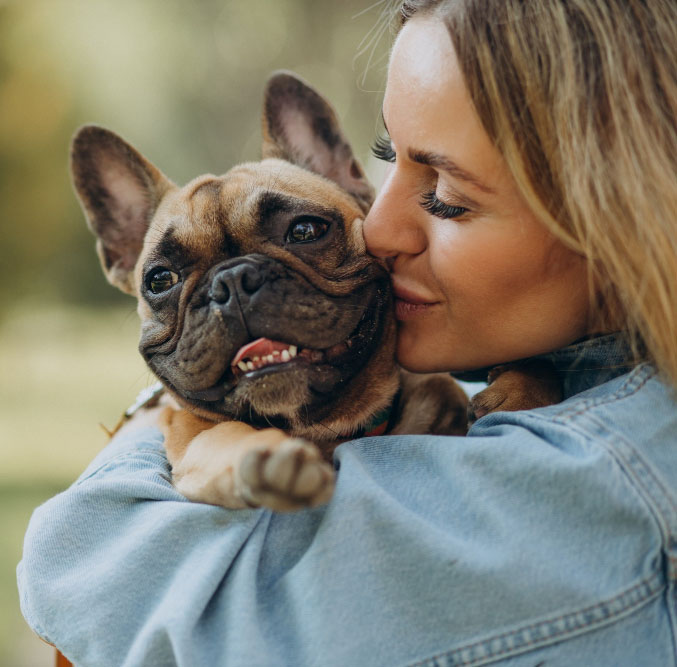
263,315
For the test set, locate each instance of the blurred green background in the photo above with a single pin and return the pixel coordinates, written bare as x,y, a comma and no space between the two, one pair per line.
182,81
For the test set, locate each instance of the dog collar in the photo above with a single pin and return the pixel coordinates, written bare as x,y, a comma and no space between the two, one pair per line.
149,397
382,421
378,425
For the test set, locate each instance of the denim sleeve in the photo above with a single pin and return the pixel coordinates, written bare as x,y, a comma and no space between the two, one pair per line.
527,542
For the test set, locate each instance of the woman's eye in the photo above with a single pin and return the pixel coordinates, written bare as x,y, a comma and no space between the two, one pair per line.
432,204
306,230
382,149
160,280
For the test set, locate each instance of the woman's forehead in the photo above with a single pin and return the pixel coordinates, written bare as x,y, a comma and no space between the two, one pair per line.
427,106
423,51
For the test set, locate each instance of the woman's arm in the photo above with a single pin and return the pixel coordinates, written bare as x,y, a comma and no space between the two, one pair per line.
510,541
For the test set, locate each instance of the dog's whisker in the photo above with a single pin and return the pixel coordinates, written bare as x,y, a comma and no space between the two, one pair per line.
327,428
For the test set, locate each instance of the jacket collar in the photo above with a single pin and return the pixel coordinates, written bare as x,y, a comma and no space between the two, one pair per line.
583,364
589,363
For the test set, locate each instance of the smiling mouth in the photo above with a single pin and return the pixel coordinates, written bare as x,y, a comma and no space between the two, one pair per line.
409,303
405,310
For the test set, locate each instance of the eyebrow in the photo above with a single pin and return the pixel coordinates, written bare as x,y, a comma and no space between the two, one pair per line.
446,164
442,162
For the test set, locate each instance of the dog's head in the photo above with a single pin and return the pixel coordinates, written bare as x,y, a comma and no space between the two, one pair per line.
257,297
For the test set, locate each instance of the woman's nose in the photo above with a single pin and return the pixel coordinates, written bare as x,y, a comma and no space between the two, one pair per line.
391,227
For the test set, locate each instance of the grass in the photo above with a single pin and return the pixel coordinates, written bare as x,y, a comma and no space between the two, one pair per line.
64,371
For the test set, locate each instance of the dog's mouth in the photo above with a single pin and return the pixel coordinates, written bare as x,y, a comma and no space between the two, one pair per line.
265,356
263,353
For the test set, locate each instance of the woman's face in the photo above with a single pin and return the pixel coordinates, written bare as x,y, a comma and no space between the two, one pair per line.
477,279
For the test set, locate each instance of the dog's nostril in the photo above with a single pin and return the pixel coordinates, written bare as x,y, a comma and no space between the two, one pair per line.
219,291
251,280
240,280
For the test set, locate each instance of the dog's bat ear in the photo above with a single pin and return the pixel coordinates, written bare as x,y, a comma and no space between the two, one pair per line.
300,126
119,191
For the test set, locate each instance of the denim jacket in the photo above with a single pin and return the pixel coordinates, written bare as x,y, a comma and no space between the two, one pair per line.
546,537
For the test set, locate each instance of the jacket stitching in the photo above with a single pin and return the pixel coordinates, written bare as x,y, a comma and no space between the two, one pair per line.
594,616
640,474
653,492
570,624
637,378
640,468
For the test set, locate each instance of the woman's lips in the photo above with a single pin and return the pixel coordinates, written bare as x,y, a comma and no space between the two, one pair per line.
409,304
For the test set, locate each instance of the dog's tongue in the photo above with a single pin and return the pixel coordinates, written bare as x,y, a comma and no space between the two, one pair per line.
260,347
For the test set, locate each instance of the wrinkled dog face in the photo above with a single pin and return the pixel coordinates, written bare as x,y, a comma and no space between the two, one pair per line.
257,298
243,258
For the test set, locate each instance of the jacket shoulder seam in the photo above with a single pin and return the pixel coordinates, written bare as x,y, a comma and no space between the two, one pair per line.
117,458
634,381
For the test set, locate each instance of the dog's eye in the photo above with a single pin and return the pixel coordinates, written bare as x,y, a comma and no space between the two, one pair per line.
160,280
303,230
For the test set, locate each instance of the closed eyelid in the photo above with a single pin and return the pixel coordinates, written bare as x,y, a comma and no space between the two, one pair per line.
459,198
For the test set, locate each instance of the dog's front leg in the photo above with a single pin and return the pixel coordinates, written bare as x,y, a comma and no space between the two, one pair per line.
236,466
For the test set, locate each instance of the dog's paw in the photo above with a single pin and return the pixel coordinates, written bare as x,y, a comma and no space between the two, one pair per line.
489,400
517,386
288,477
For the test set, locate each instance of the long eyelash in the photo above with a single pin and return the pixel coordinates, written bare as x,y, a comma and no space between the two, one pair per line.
382,149
432,204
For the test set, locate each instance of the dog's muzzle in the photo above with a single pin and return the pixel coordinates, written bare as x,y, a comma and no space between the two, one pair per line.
235,282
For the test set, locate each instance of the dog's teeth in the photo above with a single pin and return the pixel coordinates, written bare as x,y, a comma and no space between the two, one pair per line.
276,353
293,350
256,359
250,366
242,366
285,356
270,358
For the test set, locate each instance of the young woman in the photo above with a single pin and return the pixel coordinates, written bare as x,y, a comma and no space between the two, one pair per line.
530,210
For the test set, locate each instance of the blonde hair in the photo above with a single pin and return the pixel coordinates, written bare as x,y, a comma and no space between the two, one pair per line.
580,97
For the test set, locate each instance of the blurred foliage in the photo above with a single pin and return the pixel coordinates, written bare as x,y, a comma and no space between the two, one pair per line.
65,370
180,80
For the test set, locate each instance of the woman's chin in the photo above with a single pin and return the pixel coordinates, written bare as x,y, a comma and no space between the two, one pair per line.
419,356
432,354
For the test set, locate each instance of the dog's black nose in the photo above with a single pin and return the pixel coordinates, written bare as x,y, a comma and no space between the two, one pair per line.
243,277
